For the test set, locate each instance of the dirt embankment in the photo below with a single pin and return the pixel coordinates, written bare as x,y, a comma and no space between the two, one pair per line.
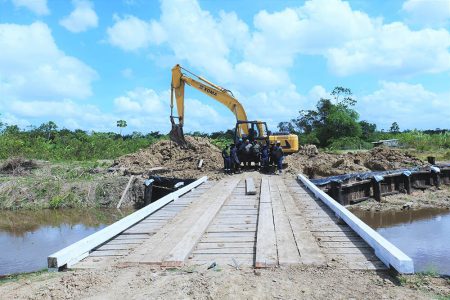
224,283
174,160
29,184
418,199
320,164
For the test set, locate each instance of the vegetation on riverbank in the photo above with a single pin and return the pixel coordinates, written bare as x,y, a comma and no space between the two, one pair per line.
47,142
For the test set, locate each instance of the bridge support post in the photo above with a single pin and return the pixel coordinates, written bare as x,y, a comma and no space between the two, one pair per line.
376,185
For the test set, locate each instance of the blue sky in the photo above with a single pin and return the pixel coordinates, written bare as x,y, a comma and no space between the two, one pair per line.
86,64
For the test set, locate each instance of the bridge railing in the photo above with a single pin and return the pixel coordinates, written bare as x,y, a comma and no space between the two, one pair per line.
389,254
72,254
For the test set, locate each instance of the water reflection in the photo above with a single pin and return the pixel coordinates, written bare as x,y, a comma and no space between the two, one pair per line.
424,235
28,237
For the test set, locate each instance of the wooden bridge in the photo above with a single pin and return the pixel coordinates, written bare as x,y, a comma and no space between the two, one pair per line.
260,221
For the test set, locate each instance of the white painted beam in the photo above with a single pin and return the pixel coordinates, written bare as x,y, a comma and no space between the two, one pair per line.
77,251
389,254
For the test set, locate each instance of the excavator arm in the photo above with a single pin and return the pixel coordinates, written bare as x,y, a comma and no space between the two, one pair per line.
224,96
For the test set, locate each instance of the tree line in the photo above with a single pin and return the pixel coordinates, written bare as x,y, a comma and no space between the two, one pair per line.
334,123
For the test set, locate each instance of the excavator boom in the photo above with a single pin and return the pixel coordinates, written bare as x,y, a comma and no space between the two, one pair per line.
222,95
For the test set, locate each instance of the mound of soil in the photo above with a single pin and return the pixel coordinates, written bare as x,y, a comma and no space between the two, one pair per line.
316,164
175,160
17,166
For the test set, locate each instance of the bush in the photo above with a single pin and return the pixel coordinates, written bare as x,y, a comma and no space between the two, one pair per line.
348,143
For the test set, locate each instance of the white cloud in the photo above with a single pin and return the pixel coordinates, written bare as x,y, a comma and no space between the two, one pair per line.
82,18
411,105
33,68
147,110
416,52
428,12
127,73
130,33
65,113
38,7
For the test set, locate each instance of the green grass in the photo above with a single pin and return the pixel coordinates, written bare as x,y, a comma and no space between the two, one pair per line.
23,276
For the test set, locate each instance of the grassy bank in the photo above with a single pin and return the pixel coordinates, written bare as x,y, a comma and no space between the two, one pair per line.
65,185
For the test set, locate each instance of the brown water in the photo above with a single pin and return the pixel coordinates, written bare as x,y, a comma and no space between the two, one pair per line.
424,235
28,237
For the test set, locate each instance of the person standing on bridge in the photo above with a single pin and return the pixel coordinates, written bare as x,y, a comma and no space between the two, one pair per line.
278,156
226,160
235,163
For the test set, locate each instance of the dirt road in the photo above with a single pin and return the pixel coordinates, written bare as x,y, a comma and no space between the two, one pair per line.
224,282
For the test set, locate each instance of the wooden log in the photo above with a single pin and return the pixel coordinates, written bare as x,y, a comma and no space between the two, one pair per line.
79,250
125,192
250,186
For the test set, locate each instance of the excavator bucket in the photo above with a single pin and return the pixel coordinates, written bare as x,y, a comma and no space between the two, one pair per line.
176,134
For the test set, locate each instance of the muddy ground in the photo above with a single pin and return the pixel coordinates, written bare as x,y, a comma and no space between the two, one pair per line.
418,199
223,282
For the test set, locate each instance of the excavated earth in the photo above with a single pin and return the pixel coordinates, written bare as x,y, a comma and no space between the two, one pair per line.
169,159
316,164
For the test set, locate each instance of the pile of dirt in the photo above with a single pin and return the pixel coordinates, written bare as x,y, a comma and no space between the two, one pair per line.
176,161
17,166
317,164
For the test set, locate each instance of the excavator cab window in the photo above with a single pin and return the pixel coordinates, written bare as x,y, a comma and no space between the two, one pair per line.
251,130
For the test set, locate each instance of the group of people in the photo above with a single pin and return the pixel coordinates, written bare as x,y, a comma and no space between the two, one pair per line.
245,152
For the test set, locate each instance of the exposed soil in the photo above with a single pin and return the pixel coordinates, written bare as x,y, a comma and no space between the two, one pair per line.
320,164
224,283
17,166
429,198
174,160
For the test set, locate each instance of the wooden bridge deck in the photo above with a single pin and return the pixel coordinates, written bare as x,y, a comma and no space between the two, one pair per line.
283,224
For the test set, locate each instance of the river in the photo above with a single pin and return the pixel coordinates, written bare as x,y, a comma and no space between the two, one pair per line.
28,237
424,235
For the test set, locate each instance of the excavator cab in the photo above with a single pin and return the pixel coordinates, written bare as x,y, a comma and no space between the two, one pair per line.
251,130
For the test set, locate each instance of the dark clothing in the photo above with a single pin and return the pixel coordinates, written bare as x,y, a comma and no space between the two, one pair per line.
265,158
278,156
234,160
226,160
225,153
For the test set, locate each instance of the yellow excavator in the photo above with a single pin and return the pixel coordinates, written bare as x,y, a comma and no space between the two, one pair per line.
244,129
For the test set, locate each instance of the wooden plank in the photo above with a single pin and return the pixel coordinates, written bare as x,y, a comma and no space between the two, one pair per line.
266,244
250,186
306,244
288,252
350,250
221,245
228,228
109,253
160,245
125,191
335,233
115,247
76,251
339,239
249,250
184,247
360,244
228,239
